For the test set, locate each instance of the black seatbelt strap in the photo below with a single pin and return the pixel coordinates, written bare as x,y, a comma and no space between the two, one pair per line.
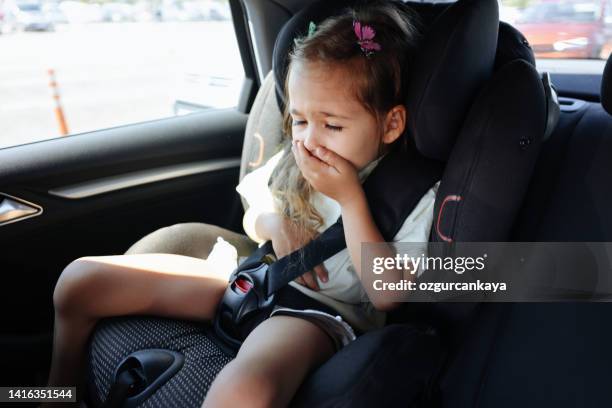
289,267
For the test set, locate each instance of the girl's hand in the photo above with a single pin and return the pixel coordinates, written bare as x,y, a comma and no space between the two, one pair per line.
327,172
286,239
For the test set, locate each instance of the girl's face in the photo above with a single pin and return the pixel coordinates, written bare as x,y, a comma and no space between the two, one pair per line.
325,112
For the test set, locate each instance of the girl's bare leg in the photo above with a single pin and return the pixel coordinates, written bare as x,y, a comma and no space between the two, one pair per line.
95,287
271,364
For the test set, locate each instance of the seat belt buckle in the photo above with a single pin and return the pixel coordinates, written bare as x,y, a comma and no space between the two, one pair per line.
245,303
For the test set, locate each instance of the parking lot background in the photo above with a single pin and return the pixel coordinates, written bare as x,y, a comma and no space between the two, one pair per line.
109,74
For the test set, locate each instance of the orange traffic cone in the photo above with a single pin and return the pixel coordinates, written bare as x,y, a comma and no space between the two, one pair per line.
59,112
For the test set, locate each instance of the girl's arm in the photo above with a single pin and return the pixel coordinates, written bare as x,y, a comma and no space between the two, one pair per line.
359,227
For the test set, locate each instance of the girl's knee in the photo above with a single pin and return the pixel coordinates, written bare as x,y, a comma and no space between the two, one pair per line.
73,285
241,386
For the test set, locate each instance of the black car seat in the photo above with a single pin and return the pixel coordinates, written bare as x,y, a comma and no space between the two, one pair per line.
458,54
550,354
483,170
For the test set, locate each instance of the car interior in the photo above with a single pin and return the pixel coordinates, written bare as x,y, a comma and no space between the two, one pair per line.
531,160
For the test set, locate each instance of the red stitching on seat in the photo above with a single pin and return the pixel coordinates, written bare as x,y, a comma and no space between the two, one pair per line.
446,200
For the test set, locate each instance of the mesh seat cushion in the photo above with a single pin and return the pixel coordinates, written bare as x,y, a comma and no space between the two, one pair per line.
118,337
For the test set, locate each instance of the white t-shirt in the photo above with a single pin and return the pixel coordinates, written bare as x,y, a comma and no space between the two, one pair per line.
343,290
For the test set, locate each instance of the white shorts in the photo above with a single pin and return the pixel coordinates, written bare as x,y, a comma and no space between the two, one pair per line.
337,329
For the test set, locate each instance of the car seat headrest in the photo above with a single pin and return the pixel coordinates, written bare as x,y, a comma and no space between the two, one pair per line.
454,59
511,45
606,87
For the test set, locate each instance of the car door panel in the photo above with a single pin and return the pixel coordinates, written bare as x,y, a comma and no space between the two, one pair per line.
154,174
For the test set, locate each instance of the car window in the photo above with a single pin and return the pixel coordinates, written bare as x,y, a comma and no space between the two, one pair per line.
567,36
569,12
70,67
566,29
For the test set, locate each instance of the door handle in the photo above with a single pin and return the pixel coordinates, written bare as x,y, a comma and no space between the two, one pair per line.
14,209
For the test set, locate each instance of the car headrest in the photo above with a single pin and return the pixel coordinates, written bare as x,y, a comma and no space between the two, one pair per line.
456,57
606,87
511,45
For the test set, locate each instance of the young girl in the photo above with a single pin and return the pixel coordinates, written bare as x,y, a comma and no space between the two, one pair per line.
346,91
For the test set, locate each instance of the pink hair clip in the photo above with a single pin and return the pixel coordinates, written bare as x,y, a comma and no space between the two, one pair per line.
365,36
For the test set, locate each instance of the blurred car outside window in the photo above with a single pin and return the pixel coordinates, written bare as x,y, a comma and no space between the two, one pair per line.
573,29
111,63
576,30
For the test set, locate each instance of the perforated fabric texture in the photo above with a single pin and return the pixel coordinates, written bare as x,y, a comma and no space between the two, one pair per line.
116,338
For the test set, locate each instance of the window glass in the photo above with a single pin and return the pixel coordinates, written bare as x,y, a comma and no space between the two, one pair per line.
561,29
69,67
567,29
567,36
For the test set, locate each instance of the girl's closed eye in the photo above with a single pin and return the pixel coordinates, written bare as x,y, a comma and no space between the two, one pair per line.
333,128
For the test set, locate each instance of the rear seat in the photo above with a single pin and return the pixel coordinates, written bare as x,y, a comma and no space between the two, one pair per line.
569,194
555,354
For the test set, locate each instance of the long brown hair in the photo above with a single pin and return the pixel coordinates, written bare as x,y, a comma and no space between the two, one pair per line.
378,84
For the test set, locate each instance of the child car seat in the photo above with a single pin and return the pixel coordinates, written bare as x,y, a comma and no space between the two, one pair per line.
490,153
184,361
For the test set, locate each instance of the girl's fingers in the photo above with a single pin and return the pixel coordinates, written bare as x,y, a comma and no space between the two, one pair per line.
311,282
321,273
302,159
306,154
321,159
327,156
331,158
